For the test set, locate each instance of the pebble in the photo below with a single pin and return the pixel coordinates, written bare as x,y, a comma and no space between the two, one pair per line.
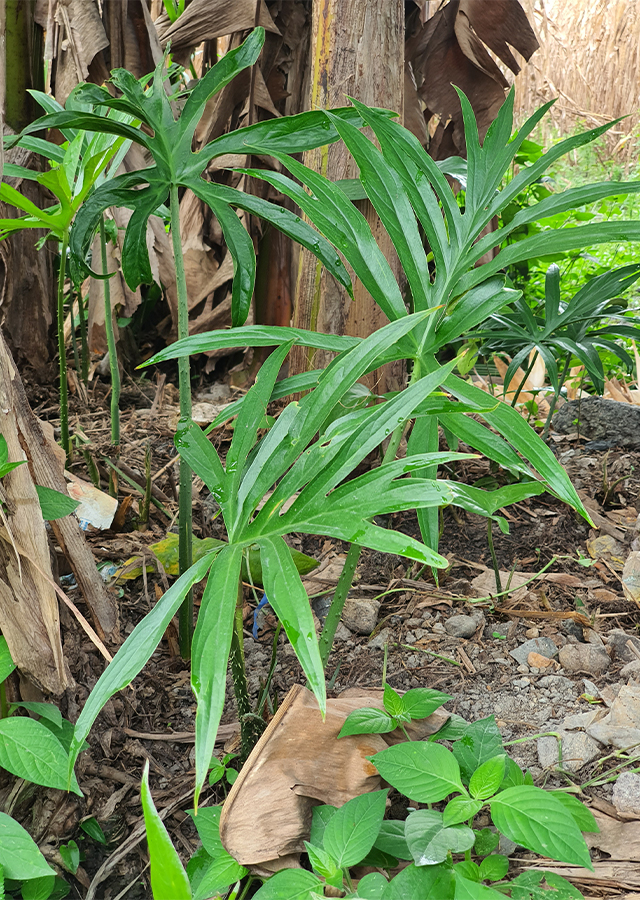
559,683
360,614
631,670
531,633
342,632
438,628
584,658
381,638
536,660
626,794
542,645
521,683
462,626
524,670
617,643
578,749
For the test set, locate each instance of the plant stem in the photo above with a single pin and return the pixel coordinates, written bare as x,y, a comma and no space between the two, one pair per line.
62,358
526,375
3,701
84,343
111,343
494,558
554,399
250,726
185,552
337,603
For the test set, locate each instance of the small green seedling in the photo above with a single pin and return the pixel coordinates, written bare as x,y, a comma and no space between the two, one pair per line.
417,703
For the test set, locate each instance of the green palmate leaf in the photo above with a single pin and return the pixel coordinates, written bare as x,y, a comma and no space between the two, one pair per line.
210,652
241,249
421,702
135,652
541,823
30,751
253,336
424,772
346,228
351,832
481,742
460,809
367,721
7,665
430,840
168,878
290,884
471,309
290,602
487,778
425,882
384,188
53,504
19,854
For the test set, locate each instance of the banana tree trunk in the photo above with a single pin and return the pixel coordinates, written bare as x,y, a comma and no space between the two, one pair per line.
357,50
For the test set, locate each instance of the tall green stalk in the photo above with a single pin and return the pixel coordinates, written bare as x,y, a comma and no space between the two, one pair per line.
185,551
64,394
111,342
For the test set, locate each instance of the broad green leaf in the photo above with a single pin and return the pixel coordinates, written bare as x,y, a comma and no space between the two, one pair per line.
391,839
30,751
467,869
367,721
324,864
166,551
486,841
135,652
494,867
541,823
7,665
425,882
513,775
471,890
481,741
290,884
540,885
19,854
168,878
430,840
45,710
210,652
216,878
207,822
43,888
421,702
53,504
582,816
372,886
351,832
487,778
319,819
392,701
425,772
460,809
290,602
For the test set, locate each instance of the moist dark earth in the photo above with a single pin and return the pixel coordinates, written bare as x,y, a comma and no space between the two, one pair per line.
578,602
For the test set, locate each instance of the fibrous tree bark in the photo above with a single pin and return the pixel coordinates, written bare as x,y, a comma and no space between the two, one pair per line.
358,51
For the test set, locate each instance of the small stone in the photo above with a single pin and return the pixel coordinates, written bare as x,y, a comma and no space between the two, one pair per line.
360,615
626,795
559,683
602,595
536,660
382,637
524,670
617,643
631,670
531,633
342,632
584,658
521,683
581,720
410,638
578,749
438,628
542,645
462,626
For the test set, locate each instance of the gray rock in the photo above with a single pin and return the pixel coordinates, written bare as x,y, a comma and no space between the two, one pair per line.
631,670
360,614
584,658
559,683
626,794
600,419
542,645
617,642
342,632
462,626
621,726
381,638
578,749
521,683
